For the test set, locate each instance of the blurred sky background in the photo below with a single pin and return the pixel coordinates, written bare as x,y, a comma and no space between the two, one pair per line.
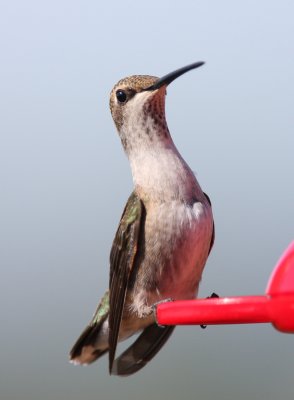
65,180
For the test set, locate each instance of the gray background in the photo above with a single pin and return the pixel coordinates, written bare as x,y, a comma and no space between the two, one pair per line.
65,179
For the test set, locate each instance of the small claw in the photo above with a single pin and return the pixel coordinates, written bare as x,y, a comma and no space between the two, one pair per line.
212,296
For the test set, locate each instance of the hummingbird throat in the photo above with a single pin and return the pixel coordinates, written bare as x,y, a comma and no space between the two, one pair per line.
145,128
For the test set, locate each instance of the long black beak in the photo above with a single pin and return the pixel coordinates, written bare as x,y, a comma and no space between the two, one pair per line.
167,79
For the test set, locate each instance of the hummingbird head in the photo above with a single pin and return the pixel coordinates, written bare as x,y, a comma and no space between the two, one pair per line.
137,105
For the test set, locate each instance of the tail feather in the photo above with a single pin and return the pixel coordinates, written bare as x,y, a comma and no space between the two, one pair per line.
142,350
86,349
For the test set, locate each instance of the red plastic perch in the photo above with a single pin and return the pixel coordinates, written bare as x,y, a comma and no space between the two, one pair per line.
276,306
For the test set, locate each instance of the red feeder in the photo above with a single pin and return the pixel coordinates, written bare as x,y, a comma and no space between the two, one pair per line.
276,306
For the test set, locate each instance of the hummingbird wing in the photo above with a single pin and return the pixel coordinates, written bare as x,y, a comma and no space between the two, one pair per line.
213,228
142,350
122,258
85,350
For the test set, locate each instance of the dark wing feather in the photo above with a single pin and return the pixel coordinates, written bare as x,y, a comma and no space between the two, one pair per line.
122,257
142,350
213,228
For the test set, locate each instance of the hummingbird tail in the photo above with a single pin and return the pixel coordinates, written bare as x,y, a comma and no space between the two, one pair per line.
93,342
85,349
142,350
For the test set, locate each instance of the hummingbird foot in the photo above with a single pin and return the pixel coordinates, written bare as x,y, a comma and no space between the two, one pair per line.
154,308
212,296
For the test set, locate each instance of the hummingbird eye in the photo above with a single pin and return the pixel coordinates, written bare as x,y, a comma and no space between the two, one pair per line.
121,96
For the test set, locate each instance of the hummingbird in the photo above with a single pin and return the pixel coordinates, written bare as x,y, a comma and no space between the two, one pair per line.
164,237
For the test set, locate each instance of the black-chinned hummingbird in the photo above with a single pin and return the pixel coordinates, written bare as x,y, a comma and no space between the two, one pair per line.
164,236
